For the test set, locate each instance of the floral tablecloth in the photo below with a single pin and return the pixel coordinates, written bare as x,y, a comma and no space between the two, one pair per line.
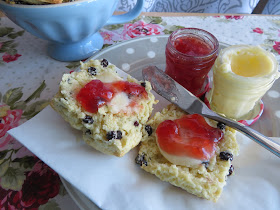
29,79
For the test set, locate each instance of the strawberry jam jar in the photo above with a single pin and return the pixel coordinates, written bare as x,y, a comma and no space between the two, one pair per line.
190,54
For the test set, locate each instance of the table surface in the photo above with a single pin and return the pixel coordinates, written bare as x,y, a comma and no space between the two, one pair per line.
29,79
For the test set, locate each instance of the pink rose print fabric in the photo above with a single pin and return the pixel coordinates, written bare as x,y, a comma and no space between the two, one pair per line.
140,28
258,30
41,184
9,58
236,17
276,47
110,37
8,122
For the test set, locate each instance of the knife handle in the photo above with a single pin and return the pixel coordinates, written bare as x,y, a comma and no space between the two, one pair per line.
259,138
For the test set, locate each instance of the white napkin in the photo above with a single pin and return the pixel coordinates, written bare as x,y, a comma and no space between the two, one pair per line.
118,183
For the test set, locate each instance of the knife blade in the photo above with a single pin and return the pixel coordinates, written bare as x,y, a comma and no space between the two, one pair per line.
172,91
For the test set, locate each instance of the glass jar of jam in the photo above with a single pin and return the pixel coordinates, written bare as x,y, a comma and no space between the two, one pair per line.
190,54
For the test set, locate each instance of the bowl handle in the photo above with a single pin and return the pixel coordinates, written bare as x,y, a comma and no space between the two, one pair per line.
124,18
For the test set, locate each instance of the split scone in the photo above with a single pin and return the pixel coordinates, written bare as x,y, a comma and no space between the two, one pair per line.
197,168
107,109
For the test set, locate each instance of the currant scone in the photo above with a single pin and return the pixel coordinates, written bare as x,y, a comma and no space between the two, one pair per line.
188,151
109,110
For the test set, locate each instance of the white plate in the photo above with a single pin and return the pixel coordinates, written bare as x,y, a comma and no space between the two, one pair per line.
132,56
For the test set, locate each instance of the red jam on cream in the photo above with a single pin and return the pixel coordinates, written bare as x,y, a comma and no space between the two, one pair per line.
187,141
118,94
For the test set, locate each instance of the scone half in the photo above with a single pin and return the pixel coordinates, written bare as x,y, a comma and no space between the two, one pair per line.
116,127
205,180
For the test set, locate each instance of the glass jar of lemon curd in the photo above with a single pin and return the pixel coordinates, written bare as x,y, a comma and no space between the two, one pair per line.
242,74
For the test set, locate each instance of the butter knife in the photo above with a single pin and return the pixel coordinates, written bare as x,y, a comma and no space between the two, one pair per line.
178,95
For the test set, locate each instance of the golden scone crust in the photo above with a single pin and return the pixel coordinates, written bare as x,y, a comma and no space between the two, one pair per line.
106,121
204,180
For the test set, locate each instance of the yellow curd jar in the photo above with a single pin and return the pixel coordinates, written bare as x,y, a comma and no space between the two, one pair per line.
242,74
